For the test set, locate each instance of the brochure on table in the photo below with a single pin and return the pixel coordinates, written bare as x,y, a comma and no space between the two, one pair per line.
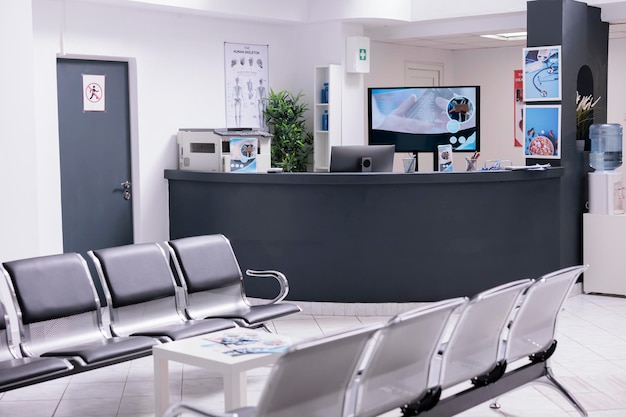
247,341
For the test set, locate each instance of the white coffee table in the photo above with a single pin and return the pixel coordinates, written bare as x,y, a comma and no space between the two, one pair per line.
200,351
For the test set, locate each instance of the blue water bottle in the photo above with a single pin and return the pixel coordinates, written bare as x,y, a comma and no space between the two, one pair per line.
325,120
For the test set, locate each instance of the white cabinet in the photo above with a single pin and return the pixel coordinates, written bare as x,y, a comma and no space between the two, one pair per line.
323,140
604,252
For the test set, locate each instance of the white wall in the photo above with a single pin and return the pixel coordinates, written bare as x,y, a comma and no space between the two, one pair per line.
492,69
616,105
19,215
179,83
315,45
387,69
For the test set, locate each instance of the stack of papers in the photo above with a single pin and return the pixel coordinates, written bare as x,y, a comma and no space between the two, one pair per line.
536,167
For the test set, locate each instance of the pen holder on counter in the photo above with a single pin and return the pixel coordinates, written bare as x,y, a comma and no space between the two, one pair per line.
471,164
408,164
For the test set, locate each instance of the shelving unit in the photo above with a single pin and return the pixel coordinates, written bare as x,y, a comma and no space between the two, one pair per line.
603,251
323,140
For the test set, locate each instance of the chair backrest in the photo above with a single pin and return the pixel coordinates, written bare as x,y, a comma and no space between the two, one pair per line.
311,379
139,287
397,371
209,272
534,325
475,345
56,302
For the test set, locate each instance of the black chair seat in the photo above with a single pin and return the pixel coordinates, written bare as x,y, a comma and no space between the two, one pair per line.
187,329
105,350
210,275
261,313
25,369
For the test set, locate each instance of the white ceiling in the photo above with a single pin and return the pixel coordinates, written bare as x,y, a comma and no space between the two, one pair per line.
472,40
449,25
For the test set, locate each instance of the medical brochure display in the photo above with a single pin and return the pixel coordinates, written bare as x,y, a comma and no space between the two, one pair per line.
243,154
445,158
542,81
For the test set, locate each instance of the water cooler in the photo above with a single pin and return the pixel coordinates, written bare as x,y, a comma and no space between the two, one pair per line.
604,227
606,193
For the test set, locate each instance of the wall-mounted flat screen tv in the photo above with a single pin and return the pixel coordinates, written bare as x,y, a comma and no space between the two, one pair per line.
418,119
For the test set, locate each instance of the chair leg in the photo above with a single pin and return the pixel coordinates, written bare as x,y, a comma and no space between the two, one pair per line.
550,380
495,405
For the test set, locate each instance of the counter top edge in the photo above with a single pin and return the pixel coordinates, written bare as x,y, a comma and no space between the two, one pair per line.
362,178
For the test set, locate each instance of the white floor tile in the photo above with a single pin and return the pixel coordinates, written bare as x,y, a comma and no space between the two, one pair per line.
590,361
34,408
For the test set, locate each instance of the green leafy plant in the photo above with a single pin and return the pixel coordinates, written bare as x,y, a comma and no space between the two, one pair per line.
292,144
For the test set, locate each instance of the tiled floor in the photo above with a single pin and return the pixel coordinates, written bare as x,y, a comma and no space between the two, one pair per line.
590,360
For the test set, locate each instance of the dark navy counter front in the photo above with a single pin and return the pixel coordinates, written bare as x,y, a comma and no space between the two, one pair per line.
377,237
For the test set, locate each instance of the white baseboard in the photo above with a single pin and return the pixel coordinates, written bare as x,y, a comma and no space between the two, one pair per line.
365,309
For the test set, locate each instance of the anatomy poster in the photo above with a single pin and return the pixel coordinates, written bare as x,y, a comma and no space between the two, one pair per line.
246,75
542,81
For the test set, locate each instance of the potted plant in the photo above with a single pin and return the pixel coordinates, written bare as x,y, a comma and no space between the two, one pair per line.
292,144
584,118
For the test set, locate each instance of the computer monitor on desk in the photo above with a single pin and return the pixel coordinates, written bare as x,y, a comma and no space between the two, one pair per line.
362,158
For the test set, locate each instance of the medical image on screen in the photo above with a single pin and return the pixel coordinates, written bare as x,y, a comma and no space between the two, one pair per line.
418,119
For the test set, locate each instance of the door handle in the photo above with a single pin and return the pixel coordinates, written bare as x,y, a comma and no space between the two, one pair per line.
127,185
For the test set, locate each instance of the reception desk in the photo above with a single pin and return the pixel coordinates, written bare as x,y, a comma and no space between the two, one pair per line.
377,237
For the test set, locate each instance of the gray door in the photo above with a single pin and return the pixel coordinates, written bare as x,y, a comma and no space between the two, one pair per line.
95,157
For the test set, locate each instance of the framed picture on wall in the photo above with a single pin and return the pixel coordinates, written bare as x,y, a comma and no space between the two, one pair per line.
246,70
542,81
542,130
518,107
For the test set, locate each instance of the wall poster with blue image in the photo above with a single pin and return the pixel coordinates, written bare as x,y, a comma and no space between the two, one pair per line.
542,81
542,130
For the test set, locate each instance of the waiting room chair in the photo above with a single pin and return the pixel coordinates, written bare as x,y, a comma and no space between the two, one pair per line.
17,371
310,379
59,313
142,294
398,368
473,349
213,283
532,332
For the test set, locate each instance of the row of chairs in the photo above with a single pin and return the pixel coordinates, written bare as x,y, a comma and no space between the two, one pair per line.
429,362
60,323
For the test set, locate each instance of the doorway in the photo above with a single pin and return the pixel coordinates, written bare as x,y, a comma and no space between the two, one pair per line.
423,75
95,158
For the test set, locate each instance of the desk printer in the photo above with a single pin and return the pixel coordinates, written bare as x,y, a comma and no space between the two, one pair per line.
208,150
